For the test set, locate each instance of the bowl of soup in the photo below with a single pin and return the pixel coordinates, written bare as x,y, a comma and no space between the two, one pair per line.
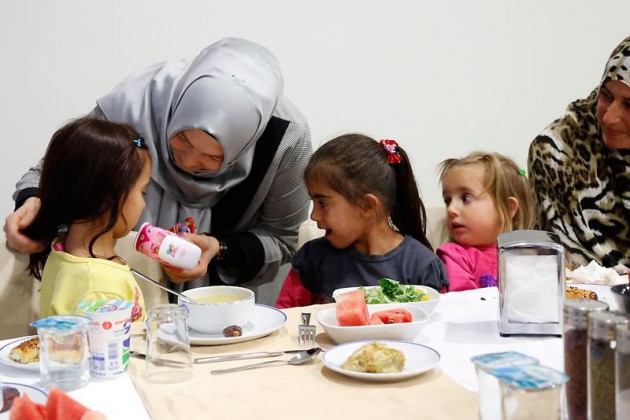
214,308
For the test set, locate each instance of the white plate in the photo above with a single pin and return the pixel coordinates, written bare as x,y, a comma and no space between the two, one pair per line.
603,293
34,394
402,331
265,320
426,305
4,356
419,359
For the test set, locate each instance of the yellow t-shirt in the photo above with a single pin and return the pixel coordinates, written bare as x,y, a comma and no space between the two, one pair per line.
68,280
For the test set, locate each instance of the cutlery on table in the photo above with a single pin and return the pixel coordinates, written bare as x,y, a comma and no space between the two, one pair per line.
157,283
300,358
306,332
242,356
164,362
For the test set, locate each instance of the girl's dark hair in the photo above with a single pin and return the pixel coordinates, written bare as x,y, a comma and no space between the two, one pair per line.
89,169
355,165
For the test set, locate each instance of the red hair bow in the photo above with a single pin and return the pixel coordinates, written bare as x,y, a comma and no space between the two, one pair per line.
393,157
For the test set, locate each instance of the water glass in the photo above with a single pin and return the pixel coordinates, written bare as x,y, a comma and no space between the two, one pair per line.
169,359
64,352
488,390
531,392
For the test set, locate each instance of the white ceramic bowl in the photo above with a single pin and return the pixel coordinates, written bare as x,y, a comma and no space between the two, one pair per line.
426,305
404,331
212,318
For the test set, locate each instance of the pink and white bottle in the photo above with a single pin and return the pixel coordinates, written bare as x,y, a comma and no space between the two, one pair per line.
166,247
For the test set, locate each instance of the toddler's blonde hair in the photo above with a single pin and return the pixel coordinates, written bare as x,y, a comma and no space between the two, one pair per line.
503,179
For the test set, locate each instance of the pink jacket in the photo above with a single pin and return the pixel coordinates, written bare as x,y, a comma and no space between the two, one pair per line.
466,264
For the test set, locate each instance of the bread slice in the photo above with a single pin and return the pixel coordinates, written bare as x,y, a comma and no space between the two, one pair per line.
26,352
577,293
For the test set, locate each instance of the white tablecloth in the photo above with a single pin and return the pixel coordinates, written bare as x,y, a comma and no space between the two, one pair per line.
464,324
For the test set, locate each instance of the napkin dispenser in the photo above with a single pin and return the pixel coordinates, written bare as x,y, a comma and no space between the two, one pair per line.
531,283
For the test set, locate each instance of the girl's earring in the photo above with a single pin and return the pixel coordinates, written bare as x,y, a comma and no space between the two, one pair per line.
391,223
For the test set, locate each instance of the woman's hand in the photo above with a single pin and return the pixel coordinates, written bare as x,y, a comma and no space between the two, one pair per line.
209,249
19,220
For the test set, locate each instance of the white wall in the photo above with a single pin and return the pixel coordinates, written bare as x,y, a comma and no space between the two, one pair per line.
443,77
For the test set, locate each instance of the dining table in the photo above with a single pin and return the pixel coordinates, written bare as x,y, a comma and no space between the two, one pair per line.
464,324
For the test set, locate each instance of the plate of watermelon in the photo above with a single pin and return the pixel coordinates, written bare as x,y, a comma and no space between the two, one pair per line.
392,291
352,319
33,403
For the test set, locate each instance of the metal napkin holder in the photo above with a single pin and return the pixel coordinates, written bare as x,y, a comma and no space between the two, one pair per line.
539,246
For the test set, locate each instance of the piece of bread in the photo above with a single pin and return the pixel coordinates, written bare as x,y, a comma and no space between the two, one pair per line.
577,293
26,352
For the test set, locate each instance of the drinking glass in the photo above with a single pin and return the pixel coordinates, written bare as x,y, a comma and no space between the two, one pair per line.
169,359
64,353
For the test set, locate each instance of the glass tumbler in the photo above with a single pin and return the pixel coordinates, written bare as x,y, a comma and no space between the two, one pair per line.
169,359
488,390
64,352
531,392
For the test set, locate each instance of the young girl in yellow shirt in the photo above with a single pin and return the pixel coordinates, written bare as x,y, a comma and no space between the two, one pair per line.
94,177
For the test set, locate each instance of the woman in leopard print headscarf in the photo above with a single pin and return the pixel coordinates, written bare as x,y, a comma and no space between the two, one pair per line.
579,167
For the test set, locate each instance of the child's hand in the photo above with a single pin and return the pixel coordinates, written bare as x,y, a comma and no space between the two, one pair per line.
209,248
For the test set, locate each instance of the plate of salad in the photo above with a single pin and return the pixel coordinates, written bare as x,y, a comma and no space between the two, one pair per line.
391,291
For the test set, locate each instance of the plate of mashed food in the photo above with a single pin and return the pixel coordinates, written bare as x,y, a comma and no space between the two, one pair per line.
381,361
21,353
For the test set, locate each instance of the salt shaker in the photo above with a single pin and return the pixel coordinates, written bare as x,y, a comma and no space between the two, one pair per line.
169,359
601,363
622,371
575,335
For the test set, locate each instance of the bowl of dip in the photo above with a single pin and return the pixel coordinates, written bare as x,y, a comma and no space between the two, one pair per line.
214,308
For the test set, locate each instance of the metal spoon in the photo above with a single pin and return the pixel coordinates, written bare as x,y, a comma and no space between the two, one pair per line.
149,279
299,359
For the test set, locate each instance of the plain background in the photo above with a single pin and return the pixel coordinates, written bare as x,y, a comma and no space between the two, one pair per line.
442,77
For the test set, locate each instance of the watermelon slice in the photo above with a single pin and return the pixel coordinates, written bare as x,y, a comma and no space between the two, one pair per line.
25,409
61,406
394,316
375,320
352,309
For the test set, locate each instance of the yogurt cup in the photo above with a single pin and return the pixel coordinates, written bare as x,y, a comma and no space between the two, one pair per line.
109,336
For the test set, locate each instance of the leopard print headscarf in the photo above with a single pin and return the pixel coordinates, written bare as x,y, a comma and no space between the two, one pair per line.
581,187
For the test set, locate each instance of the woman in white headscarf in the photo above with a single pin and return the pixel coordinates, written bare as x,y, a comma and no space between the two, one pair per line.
228,150
579,167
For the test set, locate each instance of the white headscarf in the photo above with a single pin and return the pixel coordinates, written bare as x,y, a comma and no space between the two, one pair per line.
229,91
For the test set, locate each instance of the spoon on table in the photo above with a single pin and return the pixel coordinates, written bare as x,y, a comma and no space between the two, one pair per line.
299,359
156,283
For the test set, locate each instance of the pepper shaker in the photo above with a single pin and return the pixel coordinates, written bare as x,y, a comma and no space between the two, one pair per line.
575,345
